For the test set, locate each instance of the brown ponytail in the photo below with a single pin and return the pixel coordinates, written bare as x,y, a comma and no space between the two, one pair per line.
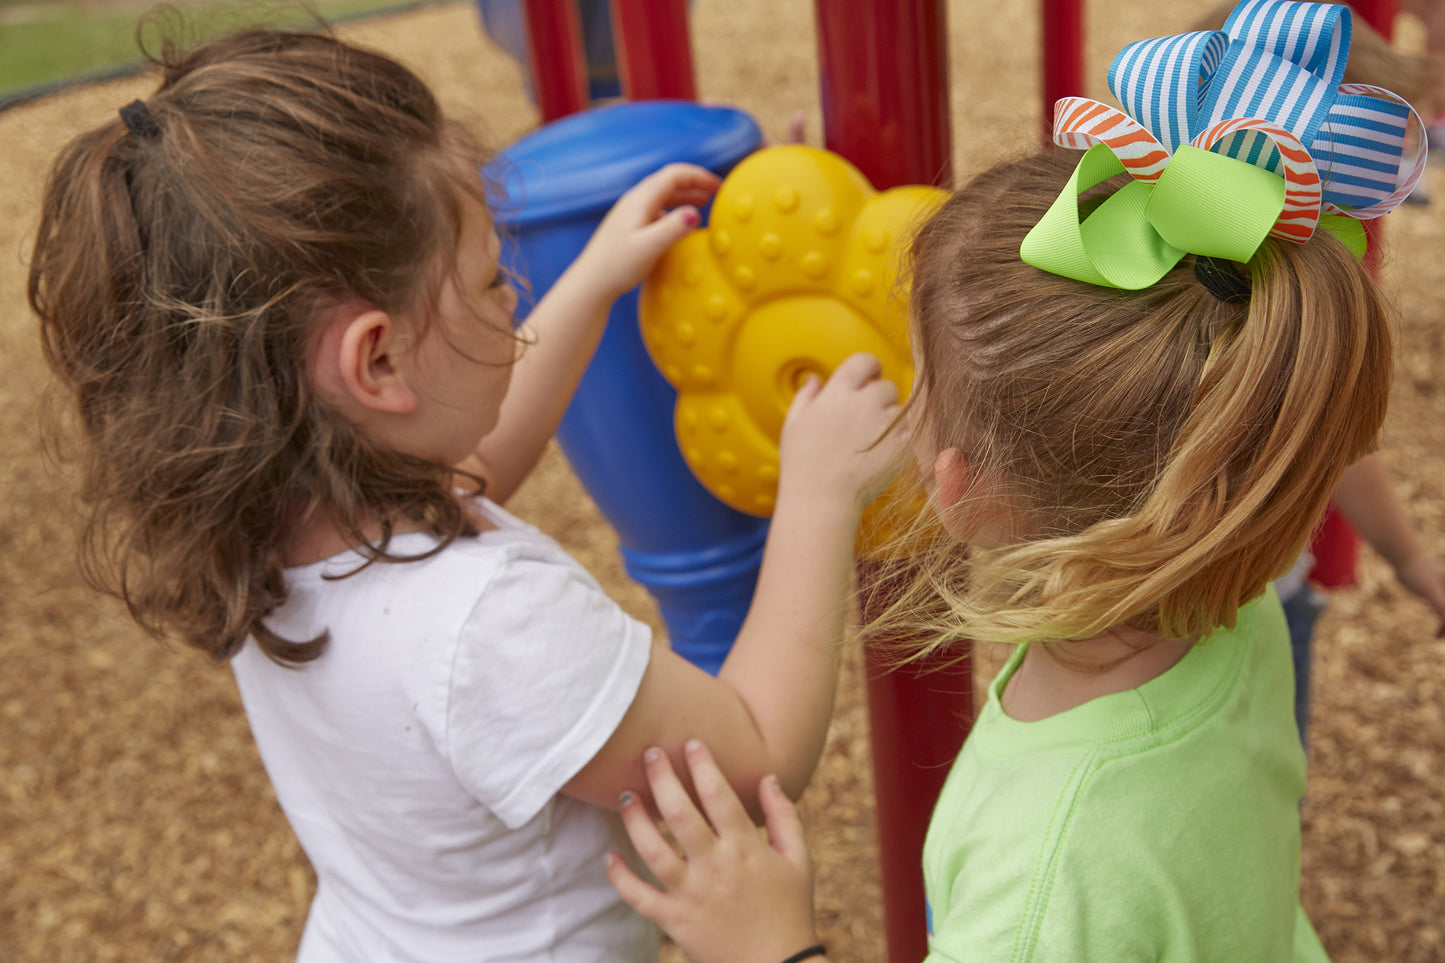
179,272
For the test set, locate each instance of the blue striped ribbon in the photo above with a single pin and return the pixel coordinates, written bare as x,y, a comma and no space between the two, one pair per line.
1275,60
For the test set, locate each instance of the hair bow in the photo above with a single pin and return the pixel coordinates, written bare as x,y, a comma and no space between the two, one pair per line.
1231,136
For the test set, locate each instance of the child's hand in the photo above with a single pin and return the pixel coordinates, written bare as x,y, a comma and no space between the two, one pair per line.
651,217
729,897
1425,576
828,440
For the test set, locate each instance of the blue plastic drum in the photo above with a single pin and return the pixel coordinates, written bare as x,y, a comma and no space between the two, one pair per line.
698,557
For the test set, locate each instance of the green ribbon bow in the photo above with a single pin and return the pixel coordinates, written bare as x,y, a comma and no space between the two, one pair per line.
1203,203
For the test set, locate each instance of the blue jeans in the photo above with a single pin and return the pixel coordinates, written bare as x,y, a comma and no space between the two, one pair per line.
1302,610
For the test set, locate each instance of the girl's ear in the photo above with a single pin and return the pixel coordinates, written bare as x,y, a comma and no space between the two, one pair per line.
365,346
953,479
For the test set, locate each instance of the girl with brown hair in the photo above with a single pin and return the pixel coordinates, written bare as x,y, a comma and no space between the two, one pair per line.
1140,376
272,292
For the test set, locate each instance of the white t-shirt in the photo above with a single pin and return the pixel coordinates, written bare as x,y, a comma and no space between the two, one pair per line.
419,759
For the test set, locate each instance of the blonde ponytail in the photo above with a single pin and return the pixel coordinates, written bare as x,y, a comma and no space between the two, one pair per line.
1165,454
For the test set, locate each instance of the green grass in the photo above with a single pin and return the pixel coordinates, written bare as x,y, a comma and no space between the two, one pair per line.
45,43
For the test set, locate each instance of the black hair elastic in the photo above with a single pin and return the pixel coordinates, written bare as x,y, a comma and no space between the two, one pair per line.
1220,279
138,120
809,953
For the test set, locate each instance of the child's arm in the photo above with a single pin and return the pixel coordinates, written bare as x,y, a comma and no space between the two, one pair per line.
769,707
1366,497
730,897
564,328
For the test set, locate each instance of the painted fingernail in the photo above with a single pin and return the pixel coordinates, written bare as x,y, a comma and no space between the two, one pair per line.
651,754
625,800
691,218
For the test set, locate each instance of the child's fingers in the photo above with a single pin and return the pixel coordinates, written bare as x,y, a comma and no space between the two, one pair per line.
655,852
688,827
883,391
806,392
691,177
641,896
667,230
785,829
676,184
724,810
857,370
696,196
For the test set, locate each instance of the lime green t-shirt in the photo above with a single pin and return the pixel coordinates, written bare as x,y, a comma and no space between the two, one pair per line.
1156,824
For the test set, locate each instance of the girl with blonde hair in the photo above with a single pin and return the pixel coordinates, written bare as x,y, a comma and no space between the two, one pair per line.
1140,375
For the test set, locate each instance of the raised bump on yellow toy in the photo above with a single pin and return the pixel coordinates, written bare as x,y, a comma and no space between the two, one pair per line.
797,270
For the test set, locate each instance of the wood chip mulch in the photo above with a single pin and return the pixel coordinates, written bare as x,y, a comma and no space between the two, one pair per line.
136,822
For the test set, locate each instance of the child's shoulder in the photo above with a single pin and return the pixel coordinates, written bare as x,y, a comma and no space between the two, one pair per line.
511,550
509,565
508,596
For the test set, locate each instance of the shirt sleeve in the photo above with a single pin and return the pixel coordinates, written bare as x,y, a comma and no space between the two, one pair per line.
546,667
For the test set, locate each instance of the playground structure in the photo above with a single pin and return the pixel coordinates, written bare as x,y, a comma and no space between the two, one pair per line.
889,116
139,824
797,269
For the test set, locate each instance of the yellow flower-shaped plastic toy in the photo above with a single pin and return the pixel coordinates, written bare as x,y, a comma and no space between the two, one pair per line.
797,270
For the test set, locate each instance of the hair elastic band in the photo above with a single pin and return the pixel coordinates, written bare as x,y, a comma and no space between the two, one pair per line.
1221,279
138,120
809,953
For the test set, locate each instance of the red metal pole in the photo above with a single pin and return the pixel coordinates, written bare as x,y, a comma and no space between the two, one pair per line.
653,51
559,68
919,716
884,87
1061,29
1379,14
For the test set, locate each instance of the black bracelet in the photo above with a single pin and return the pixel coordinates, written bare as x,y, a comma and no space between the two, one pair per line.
812,951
